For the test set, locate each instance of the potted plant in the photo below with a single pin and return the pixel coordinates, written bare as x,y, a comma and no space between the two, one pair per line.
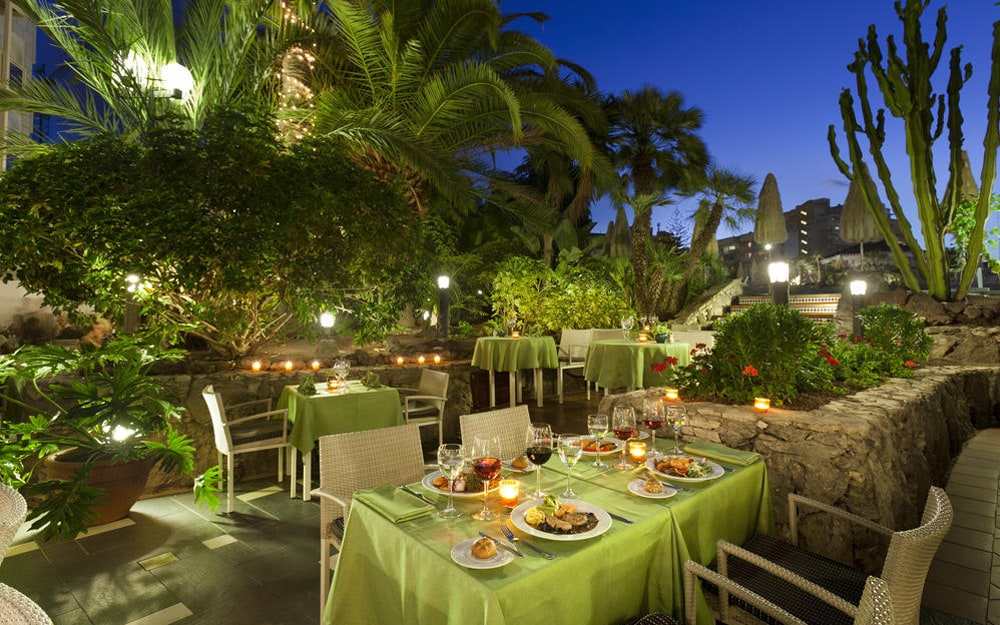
85,414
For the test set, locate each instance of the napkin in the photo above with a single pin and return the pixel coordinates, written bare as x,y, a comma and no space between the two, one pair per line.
394,504
716,451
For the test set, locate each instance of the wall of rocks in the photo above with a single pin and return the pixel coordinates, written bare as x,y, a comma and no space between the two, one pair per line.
874,453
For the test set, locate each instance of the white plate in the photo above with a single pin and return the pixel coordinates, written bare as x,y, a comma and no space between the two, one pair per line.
635,487
462,554
607,439
428,480
603,520
531,468
717,471
643,435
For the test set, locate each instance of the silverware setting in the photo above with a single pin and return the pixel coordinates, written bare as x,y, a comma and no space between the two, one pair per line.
514,539
499,543
620,518
420,496
650,475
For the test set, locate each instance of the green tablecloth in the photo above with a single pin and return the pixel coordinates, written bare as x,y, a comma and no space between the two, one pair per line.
501,353
403,573
361,408
616,364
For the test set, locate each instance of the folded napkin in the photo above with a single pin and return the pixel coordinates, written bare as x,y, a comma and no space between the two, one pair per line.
722,453
394,504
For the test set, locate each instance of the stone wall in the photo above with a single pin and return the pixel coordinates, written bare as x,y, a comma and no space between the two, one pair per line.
874,453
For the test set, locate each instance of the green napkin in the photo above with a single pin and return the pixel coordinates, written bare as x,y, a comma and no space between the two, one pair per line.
393,503
716,451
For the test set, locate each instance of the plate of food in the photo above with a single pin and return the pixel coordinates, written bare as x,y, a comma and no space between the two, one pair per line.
651,489
467,484
519,465
480,553
608,446
684,468
560,519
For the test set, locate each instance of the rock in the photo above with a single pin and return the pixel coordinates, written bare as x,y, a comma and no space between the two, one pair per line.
931,311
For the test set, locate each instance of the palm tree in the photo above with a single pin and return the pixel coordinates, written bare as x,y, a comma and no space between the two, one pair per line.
653,141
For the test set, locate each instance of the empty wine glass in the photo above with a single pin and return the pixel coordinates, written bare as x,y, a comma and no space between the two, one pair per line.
597,425
451,459
654,415
623,425
511,324
570,449
539,445
627,324
486,465
677,417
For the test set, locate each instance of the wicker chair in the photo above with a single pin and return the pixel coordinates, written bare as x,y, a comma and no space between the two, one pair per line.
356,460
874,607
809,584
240,436
17,609
510,425
425,405
573,346
13,509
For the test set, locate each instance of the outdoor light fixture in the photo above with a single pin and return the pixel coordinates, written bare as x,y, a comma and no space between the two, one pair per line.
777,273
444,282
858,290
327,319
131,321
176,81
858,287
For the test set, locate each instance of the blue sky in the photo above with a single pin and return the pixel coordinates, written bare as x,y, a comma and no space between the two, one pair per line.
767,74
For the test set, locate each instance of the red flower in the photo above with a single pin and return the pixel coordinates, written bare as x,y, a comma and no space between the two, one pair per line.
750,370
841,336
693,350
700,345
658,367
909,363
833,361
672,361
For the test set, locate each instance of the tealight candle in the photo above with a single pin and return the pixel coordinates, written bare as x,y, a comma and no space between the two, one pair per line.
643,337
288,365
315,365
646,328
255,366
637,451
761,404
421,360
515,334
332,384
437,359
671,394
508,492
399,360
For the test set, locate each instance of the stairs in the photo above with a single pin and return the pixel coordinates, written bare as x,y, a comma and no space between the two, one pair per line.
820,307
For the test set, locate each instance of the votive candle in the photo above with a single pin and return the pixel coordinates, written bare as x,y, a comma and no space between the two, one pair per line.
508,492
399,360
288,365
761,404
637,451
515,334
315,365
671,394
643,337
437,359
255,366
421,360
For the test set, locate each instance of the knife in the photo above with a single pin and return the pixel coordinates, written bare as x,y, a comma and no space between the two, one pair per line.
514,550
619,517
420,496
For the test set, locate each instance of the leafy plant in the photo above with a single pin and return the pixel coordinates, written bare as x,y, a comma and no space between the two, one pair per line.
896,333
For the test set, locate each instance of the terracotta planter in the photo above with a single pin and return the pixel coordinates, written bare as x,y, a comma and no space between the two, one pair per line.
123,482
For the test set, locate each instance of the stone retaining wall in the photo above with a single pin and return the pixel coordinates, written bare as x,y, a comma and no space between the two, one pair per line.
874,453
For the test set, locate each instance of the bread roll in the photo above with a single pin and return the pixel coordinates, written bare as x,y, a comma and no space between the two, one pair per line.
652,486
484,548
519,463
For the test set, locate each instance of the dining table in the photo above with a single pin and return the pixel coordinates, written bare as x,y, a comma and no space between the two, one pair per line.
394,572
357,408
513,354
619,363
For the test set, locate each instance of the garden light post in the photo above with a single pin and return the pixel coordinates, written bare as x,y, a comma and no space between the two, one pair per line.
131,323
858,290
326,321
444,283
777,273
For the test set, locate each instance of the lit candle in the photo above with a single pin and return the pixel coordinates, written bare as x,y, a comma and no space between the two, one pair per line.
637,451
437,359
421,360
646,328
399,360
761,404
508,493
515,334
315,365
671,394
288,365
332,384
643,337
255,366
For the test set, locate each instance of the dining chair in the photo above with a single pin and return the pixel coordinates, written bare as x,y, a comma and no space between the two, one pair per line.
13,509
874,607
510,425
256,432
352,461
573,346
424,405
767,565
18,609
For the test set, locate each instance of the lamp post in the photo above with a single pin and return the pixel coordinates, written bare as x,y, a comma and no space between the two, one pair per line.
326,321
858,290
131,323
777,273
444,283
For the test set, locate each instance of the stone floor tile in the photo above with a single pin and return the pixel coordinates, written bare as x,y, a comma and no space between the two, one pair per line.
961,468
965,505
74,617
957,602
976,481
970,538
960,577
965,556
982,462
988,495
978,522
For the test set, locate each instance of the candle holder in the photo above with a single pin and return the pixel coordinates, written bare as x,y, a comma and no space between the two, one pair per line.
421,360
289,365
508,491
255,366
437,359
315,365
643,337
515,334
399,360
761,404
671,394
637,451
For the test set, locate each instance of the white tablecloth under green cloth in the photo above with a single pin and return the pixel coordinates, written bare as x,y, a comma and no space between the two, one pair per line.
312,416
403,573
617,364
502,353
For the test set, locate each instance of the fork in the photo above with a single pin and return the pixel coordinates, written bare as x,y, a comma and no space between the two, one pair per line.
668,484
514,539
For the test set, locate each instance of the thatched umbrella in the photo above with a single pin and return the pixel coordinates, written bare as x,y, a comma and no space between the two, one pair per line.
769,228
620,236
856,222
968,190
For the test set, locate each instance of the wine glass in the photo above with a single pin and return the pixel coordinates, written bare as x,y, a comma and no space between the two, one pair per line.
570,449
597,425
627,324
451,459
539,445
654,416
486,464
677,417
511,324
623,424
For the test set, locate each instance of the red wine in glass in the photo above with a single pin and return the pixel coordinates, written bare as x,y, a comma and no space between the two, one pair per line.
626,433
538,455
486,468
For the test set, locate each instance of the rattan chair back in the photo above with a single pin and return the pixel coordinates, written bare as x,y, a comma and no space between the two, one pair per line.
509,425
18,609
13,509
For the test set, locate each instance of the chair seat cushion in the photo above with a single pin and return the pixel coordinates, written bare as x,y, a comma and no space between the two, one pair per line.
337,528
255,432
839,579
653,618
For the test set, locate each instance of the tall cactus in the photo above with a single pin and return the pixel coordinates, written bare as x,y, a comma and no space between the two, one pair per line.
905,85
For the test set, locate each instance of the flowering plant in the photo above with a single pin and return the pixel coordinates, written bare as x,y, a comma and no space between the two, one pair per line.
667,368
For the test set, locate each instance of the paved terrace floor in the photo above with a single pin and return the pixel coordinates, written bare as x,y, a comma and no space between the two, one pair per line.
173,562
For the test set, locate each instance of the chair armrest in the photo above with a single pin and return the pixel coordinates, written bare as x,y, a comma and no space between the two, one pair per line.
432,398
693,571
345,506
726,549
795,500
404,389
266,400
260,415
